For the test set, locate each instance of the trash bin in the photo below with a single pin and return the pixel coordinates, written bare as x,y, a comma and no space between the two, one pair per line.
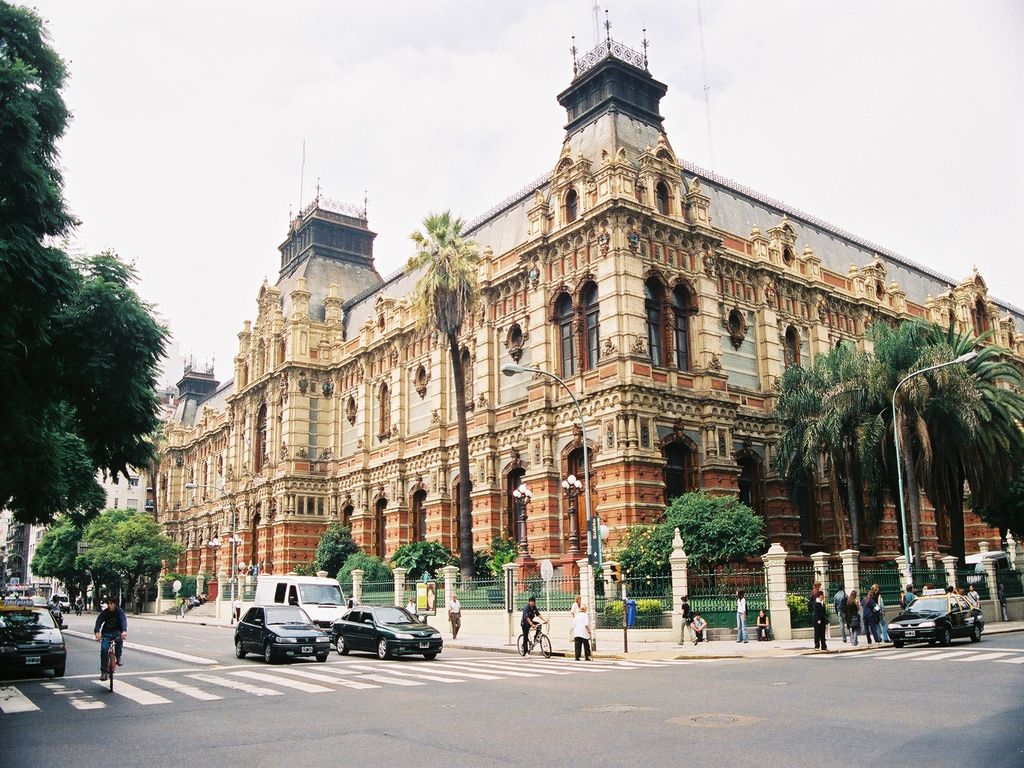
630,612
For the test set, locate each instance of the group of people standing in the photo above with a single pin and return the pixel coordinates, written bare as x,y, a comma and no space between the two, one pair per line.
855,615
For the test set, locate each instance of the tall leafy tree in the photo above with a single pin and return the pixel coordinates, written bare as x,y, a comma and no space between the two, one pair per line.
56,556
79,351
445,295
335,547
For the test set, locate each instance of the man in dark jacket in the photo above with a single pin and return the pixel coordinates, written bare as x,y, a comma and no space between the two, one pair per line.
111,627
870,607
820,618
839,603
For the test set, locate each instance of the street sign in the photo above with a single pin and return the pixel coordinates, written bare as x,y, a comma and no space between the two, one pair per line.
510,583
547,570
176,586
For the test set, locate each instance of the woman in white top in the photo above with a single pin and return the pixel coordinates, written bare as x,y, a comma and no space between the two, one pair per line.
581,631
574,610
741,617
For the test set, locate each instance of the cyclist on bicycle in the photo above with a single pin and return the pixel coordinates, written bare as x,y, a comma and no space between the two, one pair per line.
531,618
111,627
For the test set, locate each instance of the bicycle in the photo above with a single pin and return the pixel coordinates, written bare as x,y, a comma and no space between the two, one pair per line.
112,660
526,644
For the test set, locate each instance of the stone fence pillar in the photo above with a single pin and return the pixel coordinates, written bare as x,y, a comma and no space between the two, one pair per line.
851,569
990,579
930,559
775,574
450,573
680,581
588,595
399,574
1014,552
820,560
357,586
901,566
949,563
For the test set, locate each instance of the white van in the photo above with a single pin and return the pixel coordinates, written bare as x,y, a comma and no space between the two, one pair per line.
322,599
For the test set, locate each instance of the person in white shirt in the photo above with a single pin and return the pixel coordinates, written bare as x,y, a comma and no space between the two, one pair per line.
973,596
455,615
741,617
581,632
411,606
236,610
574,609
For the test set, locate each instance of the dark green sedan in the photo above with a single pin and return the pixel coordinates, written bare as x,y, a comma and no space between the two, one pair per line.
387,631
280,632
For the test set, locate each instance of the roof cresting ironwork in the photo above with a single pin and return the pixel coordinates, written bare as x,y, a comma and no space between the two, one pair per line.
608,48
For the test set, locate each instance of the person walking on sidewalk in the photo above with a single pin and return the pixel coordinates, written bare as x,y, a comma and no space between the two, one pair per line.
741,617
455,615
236,610
581,632
574,610
883,625
1001,597
820,617
870,618
684,629
839,600
851,616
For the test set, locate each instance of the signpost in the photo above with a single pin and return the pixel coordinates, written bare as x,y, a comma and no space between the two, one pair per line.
426,598
547,570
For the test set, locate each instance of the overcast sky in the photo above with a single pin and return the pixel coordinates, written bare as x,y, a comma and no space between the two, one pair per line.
901,122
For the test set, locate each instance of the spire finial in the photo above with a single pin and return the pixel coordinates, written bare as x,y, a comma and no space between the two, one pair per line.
573,51
644,43
607,27
366,198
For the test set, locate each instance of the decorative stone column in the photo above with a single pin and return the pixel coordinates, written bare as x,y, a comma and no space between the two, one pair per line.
949,563
399,574
901,565
775,573
357,586
820,560
588,595
680,586
1014,552
851,569
990,579
930,558
450,572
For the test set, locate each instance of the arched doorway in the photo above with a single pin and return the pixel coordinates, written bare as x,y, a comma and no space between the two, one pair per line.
513,480
419,516
379,536
680,469
751,481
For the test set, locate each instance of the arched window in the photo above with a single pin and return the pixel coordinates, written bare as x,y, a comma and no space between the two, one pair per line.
346,516
259,454
682,308
663,198
751,483
980,317
571,205
385,412
680,470
788,257
810,517
515,477
379,533
592,323
419,516
566,336
792,350
653,297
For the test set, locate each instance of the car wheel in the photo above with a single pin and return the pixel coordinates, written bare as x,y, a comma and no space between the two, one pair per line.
382,649
947,638
340,645
897,643
268,654
321,657
239,649
59,671
976,634
430,656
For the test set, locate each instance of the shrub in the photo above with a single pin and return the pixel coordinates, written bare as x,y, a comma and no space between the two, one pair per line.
419,556
503,551
374,569
799,611
335,547
648,613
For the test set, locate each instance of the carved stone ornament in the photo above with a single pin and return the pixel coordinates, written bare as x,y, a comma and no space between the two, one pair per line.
514,341
710,268
178,460
716,362
303,383
822,311
327,388
608,348
639,345
603,241
326,454
737,328
350,410
771,294
435,417
517,460
634,239
482,400
359,443
420,380
303,453
284,449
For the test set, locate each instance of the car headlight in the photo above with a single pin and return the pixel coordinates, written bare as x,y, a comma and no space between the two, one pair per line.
895,625
404,636
926,624
322,639
8,649
287,640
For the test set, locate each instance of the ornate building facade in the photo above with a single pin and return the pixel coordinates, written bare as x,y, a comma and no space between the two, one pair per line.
670,300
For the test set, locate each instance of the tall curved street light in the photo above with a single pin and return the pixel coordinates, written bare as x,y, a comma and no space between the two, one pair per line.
967,356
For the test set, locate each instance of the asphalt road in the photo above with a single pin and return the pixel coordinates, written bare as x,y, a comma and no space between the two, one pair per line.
919,706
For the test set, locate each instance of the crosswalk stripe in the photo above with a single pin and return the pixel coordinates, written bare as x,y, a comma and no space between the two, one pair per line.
579,666
904,656
989,656
188,690
12,700
417,675
238,685
947,655
332,679
298,685
390,680
449,670
138,695
78,698
540,668
1017,660
511,673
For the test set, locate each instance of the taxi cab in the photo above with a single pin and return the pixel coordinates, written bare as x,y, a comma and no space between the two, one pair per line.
30,640
937,617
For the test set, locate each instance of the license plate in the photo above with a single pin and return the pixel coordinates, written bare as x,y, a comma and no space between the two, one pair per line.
33,659
424,645
307,649
910,633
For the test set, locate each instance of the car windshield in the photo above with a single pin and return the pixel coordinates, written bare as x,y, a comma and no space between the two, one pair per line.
286,615
393,616
27,619
322,594
930,605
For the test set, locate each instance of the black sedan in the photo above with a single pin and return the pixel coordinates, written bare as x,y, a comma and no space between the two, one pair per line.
937,617
280,632
30,641
387,631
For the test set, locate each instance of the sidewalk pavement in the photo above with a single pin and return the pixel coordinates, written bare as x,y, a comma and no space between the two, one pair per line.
611,647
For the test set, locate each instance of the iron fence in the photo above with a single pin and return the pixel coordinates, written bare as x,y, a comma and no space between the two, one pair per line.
800,578
481,593
928,578
558,595
713,595
378,592
887,577
967,576
1011,582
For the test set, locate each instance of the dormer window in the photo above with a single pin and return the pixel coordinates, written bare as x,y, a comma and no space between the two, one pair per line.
571,206
980,317
788,257
664,200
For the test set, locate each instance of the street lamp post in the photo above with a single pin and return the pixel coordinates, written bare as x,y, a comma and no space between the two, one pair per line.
572,486
523,496
233,539
967,356
593,525
214,545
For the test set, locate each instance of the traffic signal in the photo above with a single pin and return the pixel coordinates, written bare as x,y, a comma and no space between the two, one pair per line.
615,570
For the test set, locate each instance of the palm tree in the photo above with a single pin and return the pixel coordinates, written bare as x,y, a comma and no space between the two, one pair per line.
443,298
822,410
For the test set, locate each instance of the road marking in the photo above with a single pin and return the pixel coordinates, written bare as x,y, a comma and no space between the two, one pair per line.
238,685
472,675
904,656
581,666
1017,660
12,700
78,698
540,668
399,673
138,695
490,666
188,690
131,646
945,655
989,656
296,684
332,679
390,680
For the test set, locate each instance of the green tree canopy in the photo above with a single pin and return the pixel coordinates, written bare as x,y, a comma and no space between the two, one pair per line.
423,556
1006,513
79,351
335,547
56,556
444,296
714,529
374,569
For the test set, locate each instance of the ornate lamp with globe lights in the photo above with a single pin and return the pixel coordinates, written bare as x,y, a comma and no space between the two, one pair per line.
572,487
522,496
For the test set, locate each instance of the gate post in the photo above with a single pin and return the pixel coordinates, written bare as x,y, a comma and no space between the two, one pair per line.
357,586
820,560
399,574
775,578
851,570
679,562
949,563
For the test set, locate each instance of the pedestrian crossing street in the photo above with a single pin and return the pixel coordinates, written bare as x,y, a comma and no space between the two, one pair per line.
157,688
1011,656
